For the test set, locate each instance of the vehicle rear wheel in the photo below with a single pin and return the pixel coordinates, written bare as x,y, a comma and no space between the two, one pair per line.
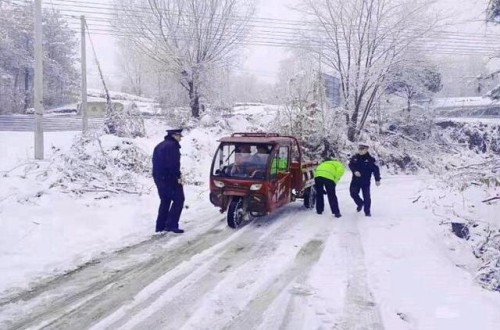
235,213
310,198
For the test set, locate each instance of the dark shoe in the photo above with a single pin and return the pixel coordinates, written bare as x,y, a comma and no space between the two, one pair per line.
359,208
368,214
177,231
319,213
338,215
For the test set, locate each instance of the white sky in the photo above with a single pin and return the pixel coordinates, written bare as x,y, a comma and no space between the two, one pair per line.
263,61
260,61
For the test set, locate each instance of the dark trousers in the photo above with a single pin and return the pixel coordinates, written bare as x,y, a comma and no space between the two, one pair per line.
322,184
171,205
355,188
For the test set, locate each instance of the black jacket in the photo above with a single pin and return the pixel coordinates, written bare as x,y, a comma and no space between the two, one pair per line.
366,165
167,160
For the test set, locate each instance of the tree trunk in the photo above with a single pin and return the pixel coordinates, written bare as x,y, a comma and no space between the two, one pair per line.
351,132
408,107
351,128
194,98
26,89
14,103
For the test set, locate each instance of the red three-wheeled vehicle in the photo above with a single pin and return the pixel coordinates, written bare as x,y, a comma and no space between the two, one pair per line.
253,174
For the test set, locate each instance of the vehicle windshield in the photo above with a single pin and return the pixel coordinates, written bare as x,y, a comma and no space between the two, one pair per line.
243,160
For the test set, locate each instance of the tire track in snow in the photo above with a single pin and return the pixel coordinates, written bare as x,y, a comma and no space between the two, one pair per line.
360,308
306,257
177,297
136,265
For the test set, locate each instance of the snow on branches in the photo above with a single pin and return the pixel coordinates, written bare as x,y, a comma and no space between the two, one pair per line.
94,164
124,121
102,164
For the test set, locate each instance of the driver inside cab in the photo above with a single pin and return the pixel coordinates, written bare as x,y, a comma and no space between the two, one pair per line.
241,157
259,161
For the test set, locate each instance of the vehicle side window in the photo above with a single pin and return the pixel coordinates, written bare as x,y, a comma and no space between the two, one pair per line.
224,157
280,161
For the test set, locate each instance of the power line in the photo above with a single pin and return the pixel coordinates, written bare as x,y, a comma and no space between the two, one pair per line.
294,42
456,43
451,43
108,24
280,39
276,25
280,42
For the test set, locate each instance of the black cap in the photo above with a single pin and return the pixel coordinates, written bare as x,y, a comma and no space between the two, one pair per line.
173,131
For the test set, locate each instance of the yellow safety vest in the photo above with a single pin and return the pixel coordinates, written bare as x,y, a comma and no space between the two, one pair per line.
281,165
331,170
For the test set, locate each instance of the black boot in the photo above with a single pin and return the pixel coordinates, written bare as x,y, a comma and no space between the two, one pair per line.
359,208
177,231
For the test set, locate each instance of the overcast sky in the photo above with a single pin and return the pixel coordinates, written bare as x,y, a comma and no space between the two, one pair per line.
263,61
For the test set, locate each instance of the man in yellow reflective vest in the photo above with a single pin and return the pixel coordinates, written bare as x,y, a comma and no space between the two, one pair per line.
326,177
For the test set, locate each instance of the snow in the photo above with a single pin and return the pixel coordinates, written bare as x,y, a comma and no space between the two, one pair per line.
457,102
400,269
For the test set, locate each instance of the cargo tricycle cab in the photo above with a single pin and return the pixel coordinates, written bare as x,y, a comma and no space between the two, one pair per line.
253,174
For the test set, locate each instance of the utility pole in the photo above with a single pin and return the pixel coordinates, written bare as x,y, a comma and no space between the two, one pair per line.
38,81
85,119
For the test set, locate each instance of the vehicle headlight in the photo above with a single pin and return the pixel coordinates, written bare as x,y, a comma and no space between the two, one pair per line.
256,186
219,184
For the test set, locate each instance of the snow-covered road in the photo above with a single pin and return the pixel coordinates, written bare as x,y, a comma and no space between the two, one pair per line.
291,270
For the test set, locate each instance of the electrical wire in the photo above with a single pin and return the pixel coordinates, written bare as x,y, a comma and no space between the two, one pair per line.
278,37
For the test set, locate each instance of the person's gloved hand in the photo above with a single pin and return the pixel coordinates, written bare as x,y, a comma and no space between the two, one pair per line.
377,183
357,174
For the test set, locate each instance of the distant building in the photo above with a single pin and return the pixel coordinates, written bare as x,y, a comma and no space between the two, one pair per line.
98,109
332,89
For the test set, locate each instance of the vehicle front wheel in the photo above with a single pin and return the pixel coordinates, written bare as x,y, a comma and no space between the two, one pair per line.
310,198
235,213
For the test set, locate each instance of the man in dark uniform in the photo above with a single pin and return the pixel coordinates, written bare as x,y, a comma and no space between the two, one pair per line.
363,165
167,177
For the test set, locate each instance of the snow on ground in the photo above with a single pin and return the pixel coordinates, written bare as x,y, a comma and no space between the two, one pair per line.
457,102
67,231
294,269
291,270
46,232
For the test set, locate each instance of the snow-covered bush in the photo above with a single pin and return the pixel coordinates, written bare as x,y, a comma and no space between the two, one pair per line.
488,251
102,164
126,122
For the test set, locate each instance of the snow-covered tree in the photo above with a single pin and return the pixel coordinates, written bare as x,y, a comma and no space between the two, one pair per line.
17,57
297,80
413,80
362,40
188,37
493,11
134,65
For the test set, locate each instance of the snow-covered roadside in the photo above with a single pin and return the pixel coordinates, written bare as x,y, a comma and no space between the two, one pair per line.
48,235
46,232
470,226
298,270
412,270
293,270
